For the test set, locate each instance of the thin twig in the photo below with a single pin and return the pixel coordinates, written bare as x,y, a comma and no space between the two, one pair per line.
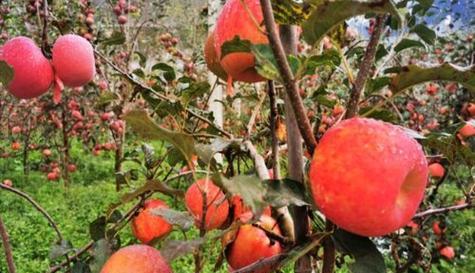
273,126
37,206
7,247
430,212
160,96
287,76
365,67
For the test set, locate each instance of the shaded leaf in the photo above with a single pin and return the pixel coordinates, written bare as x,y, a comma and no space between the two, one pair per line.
80,267
168,71
60,249
97,229
328,58
173,249
367,257
101,251
6,73
116,38
282,193
250,188
408,43
178,218
425,33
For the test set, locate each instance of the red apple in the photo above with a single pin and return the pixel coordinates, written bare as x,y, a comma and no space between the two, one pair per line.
447,252
436,228
146,226
467,131
436,170
47,153
7,182
33,73
212,60
253,244
368,176
235,20
136,259
217,207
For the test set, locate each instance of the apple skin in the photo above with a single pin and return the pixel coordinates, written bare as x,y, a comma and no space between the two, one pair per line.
252,244
368,176
33,73
436,170
146,226
467,131
244,213
136,259
212,60
73,60
447,252
216,203
233,21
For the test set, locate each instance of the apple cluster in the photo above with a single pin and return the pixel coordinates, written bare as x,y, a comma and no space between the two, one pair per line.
72,65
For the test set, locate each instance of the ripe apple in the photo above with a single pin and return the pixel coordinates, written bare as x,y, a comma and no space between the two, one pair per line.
212,60
16,146
217,207
16,130
71,168
243,212
471,109
436,228
136,259
436,170
235,20
146,226
467,131
47,153
33,73
447,252
368,176
7,182
73,60
252,244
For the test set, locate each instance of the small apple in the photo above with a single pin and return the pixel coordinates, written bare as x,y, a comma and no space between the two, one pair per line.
447,252
146,226
436,170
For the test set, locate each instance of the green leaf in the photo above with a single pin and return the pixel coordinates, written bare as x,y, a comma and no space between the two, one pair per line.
266,64
367,257
143,58
194,91
290,12
426,34
408,43
329,58
329,14
381,52
60,249
411,75
377,84
116,38
168,71
250,188
178,218
235,45
147,129
6,73
378,113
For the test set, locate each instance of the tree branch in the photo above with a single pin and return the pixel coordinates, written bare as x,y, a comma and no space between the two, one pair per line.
7,247
287,76
365,67
430,212
273,126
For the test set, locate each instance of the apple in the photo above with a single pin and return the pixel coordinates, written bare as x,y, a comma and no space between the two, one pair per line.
136,259
436,228
368,176
217,207
16,130
73,60
252,244
33,73
467,131
244,213
16,146
47,153
212,60
447,252
436,170
146,226
8,183
235,20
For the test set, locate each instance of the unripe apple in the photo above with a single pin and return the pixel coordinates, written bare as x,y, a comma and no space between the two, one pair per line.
436,170
447,252
368,176
212,60
253,244
136,259
33,73
217,207
146,226
235,20
73,60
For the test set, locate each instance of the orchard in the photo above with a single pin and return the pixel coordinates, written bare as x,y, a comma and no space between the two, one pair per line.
237,136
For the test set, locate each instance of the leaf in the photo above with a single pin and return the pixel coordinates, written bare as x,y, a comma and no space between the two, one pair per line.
147,129
6,73
407,43
80,267
378,113
250,188
235,45
329,58
97,229
282,193
101,251
426,34
116,38
60,249
377,84
169,73
367,257
266,64
194,91
174,249
143,58
178,218
381,52
411,75
329,14
291,12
